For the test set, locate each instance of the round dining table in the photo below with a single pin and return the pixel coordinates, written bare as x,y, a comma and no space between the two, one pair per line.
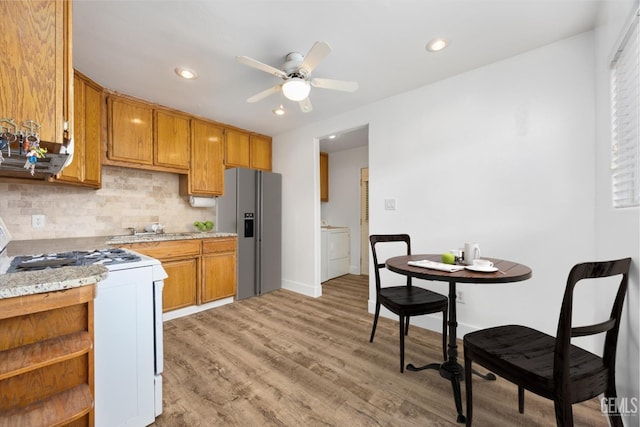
505,272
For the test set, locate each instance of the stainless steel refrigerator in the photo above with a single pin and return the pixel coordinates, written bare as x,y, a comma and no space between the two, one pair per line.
252,208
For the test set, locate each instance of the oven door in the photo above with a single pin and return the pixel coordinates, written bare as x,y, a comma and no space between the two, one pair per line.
124,354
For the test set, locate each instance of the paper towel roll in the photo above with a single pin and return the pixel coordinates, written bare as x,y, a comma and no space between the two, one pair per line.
202,202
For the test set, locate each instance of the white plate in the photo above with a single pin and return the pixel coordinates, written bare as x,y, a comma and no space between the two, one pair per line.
481,269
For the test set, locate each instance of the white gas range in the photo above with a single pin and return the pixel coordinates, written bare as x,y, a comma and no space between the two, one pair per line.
128,346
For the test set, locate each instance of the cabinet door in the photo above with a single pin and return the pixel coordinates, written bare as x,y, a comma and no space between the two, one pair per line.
93,109
324,177
237,148
219,276
206,175
130,131
86,168
218,268
180,287
172,140
260,152
36,76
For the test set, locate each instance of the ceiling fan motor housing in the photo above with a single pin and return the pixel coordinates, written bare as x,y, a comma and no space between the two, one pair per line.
292,65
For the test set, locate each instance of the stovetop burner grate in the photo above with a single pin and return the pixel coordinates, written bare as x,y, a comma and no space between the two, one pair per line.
107,256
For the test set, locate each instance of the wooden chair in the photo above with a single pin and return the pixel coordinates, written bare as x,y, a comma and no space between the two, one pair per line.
552,367
405,301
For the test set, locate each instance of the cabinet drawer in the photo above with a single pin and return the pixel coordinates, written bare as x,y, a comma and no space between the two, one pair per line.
167,250
218,245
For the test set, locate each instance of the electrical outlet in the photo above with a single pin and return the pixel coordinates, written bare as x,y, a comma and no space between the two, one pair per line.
460,297
37,221
389,204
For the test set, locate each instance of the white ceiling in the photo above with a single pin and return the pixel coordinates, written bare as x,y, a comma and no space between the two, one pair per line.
133,47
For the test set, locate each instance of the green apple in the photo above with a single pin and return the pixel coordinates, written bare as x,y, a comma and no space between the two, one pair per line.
448,258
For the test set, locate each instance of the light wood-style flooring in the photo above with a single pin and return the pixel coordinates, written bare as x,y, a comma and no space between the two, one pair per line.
283,359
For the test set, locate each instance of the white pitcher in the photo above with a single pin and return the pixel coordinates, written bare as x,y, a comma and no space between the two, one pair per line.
471,252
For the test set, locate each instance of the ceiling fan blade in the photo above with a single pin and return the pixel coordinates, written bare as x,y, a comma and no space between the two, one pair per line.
262,95
305,105
261,66
318,52
335,84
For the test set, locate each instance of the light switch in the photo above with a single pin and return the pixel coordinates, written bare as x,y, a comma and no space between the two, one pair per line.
389,204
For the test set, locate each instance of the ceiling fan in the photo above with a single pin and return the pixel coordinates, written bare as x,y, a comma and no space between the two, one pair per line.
296,76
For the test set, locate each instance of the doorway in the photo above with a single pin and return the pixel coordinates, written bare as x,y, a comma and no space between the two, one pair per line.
347,154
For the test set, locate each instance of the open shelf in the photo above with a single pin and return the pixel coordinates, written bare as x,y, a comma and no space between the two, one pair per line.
56,410
19,360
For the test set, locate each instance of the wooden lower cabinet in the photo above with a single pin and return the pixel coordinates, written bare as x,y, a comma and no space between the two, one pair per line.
46,359
218,269
199,270
180,287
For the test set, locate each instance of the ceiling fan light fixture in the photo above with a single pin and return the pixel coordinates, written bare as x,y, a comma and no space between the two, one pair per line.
186,73
296,89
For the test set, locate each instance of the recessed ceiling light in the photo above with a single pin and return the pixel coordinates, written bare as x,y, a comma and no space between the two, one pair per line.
436,45
186,73
332,137
279,111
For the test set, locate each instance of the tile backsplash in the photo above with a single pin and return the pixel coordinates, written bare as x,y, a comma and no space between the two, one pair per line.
128,198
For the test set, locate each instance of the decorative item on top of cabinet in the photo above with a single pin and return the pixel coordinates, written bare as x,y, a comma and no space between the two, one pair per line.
206,174
86,167
324,177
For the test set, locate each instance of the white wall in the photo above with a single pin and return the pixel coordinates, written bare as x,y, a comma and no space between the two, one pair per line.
343,207
617,230
521,129
503,155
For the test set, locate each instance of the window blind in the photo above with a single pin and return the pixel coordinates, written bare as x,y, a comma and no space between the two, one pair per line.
625,91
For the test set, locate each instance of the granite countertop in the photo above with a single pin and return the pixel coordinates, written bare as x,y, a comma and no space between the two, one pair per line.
152,237
32,247
48,280
36,282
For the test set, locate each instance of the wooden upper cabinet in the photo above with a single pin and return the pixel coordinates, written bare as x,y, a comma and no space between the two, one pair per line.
206,175
86,168
237,148
172,140
324,177
260,152
130,131
36,75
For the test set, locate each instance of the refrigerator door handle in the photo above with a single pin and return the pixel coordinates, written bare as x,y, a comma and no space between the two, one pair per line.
258,248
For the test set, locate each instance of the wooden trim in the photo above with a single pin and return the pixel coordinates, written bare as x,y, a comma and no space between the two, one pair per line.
19,306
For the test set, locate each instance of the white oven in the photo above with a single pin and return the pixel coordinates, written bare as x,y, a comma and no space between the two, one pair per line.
128,350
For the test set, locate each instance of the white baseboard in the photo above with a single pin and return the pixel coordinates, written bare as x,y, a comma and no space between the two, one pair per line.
181,312
302,288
